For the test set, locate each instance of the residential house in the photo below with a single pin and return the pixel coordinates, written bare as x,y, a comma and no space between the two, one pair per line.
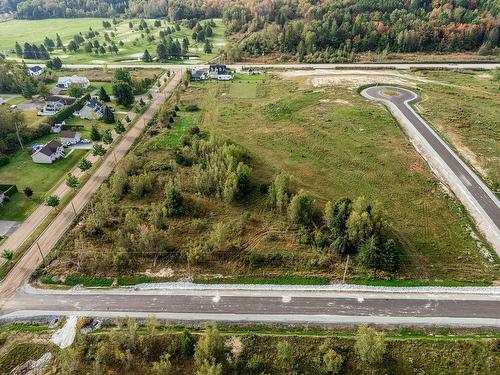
215,70
198,75
65,82
35,71
48,153
2,197
92,110
69,137
54,104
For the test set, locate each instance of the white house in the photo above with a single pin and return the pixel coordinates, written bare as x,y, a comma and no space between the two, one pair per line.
92,110
216,70
65,82
48,153
69,137
35,71
54,104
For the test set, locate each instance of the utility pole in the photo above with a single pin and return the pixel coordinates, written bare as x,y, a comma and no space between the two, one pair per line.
345,271
40,250
18,135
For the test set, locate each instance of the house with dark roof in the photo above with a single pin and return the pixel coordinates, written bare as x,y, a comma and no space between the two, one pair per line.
198,75
55,104
215,70
69,137
48,153
92,110
35,71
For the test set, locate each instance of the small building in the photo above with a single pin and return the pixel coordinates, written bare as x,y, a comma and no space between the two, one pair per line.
48,153
198,75
56,128
54,104
92,110
65,82
2,197
69,137
215,70
35,71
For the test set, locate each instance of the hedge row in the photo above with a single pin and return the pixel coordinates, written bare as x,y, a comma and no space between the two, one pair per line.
68,111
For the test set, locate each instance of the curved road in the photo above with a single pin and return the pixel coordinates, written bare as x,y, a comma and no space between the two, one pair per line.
467,186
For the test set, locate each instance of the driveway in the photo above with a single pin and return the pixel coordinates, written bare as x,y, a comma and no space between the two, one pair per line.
7,227
482,204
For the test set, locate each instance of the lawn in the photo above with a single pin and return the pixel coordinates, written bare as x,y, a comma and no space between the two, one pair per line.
41,178
169,138
135,41
466,111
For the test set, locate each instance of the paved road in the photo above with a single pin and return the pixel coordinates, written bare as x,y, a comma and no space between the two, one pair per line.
299,66
32,258
382,306
467,186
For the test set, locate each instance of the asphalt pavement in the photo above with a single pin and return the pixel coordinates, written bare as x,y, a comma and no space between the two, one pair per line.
460,178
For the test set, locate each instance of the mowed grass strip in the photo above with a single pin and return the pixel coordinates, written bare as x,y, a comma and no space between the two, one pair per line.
337,144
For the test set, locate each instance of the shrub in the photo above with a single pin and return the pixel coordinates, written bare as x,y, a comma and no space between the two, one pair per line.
121,261
194,130
191,108
4,159
174,203
370,345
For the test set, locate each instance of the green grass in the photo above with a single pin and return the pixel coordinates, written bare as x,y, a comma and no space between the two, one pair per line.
337,144
465,111
134,45
415,283
23,327
169,138
41,178
95,282
35,31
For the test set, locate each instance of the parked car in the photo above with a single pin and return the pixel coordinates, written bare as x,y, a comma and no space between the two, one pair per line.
85,140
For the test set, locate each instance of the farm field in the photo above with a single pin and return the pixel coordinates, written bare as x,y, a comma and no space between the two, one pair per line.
334,143
134,44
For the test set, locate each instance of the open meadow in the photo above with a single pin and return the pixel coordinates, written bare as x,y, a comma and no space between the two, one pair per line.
134,41
319,130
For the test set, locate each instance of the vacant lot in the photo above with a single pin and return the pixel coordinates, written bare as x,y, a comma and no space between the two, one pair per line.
334,142
464,108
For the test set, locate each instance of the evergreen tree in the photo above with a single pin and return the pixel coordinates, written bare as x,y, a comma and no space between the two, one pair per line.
95,135
107,116
103,95
123,93
28,89
107,138
147,57
119,128
19,50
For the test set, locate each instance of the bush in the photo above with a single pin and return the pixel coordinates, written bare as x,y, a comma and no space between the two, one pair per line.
174,203
194,130
4,159
121,261
192,108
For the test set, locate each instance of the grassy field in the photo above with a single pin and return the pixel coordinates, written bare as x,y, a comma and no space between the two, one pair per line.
34,31
465,111
41,178
337,144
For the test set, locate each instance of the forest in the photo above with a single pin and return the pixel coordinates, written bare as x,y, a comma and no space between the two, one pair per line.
311,30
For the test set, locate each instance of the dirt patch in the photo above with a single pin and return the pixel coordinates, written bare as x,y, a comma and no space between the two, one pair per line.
164,272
